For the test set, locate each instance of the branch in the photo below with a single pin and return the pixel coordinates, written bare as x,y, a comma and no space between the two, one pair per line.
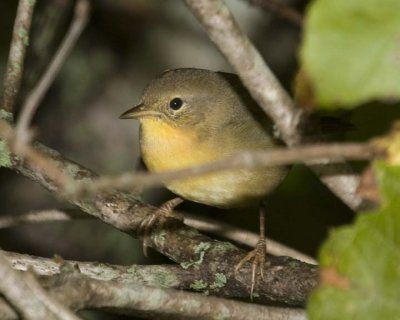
287,280
15,64
242,236
159,276
267,91
6,311
35,97
245,160
28,297
42,216
125,290
250,66
81,292
198,222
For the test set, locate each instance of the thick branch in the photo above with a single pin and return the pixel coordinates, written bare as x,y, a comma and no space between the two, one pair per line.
267,91
15,64
28,297
160,276
80,292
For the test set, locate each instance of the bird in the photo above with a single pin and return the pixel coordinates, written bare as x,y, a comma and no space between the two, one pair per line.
189,117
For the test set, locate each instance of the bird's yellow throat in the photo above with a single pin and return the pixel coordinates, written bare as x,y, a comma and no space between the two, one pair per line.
166,147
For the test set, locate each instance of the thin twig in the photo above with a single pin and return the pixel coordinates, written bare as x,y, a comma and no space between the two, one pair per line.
281,10
268,92
242,236
203,224
16,57
318,154
28,297
42,216
34,156
33,100
246,160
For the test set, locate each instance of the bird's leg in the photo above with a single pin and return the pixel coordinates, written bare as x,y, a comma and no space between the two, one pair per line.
258,255
158,218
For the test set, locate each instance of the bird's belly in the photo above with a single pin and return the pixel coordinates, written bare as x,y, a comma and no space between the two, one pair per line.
165,148
227,189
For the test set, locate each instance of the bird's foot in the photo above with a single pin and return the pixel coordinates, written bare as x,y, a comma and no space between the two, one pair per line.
257,257
158,219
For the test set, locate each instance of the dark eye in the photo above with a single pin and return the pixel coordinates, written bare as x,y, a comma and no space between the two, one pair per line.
176,103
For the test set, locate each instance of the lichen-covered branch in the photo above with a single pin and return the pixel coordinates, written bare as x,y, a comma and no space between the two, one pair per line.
28,297
79,292
223,30
19,43
191,276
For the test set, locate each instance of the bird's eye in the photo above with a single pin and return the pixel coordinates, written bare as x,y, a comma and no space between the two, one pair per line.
176,103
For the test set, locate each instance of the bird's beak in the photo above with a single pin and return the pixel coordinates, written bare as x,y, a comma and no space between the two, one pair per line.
137,112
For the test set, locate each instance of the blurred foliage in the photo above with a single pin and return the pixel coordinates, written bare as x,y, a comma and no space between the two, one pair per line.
360,263
351,51
351,55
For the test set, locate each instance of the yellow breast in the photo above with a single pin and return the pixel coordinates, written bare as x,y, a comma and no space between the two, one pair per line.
165,147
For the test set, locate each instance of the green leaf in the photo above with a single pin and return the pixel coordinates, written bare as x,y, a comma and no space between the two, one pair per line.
351,51
363,261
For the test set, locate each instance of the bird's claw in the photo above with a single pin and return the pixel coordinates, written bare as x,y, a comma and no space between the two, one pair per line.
157,219
257,257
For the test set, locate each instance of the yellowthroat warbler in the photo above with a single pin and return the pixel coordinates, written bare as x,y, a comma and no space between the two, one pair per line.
190,117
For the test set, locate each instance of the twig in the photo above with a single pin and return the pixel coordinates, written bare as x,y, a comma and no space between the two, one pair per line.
268,92
35,97
35,156
6,311
15,64
246,160
42,216
242,236
28,297
281,10
318,154
200,223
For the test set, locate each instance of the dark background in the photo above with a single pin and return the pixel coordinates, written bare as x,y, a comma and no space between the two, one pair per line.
126,44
